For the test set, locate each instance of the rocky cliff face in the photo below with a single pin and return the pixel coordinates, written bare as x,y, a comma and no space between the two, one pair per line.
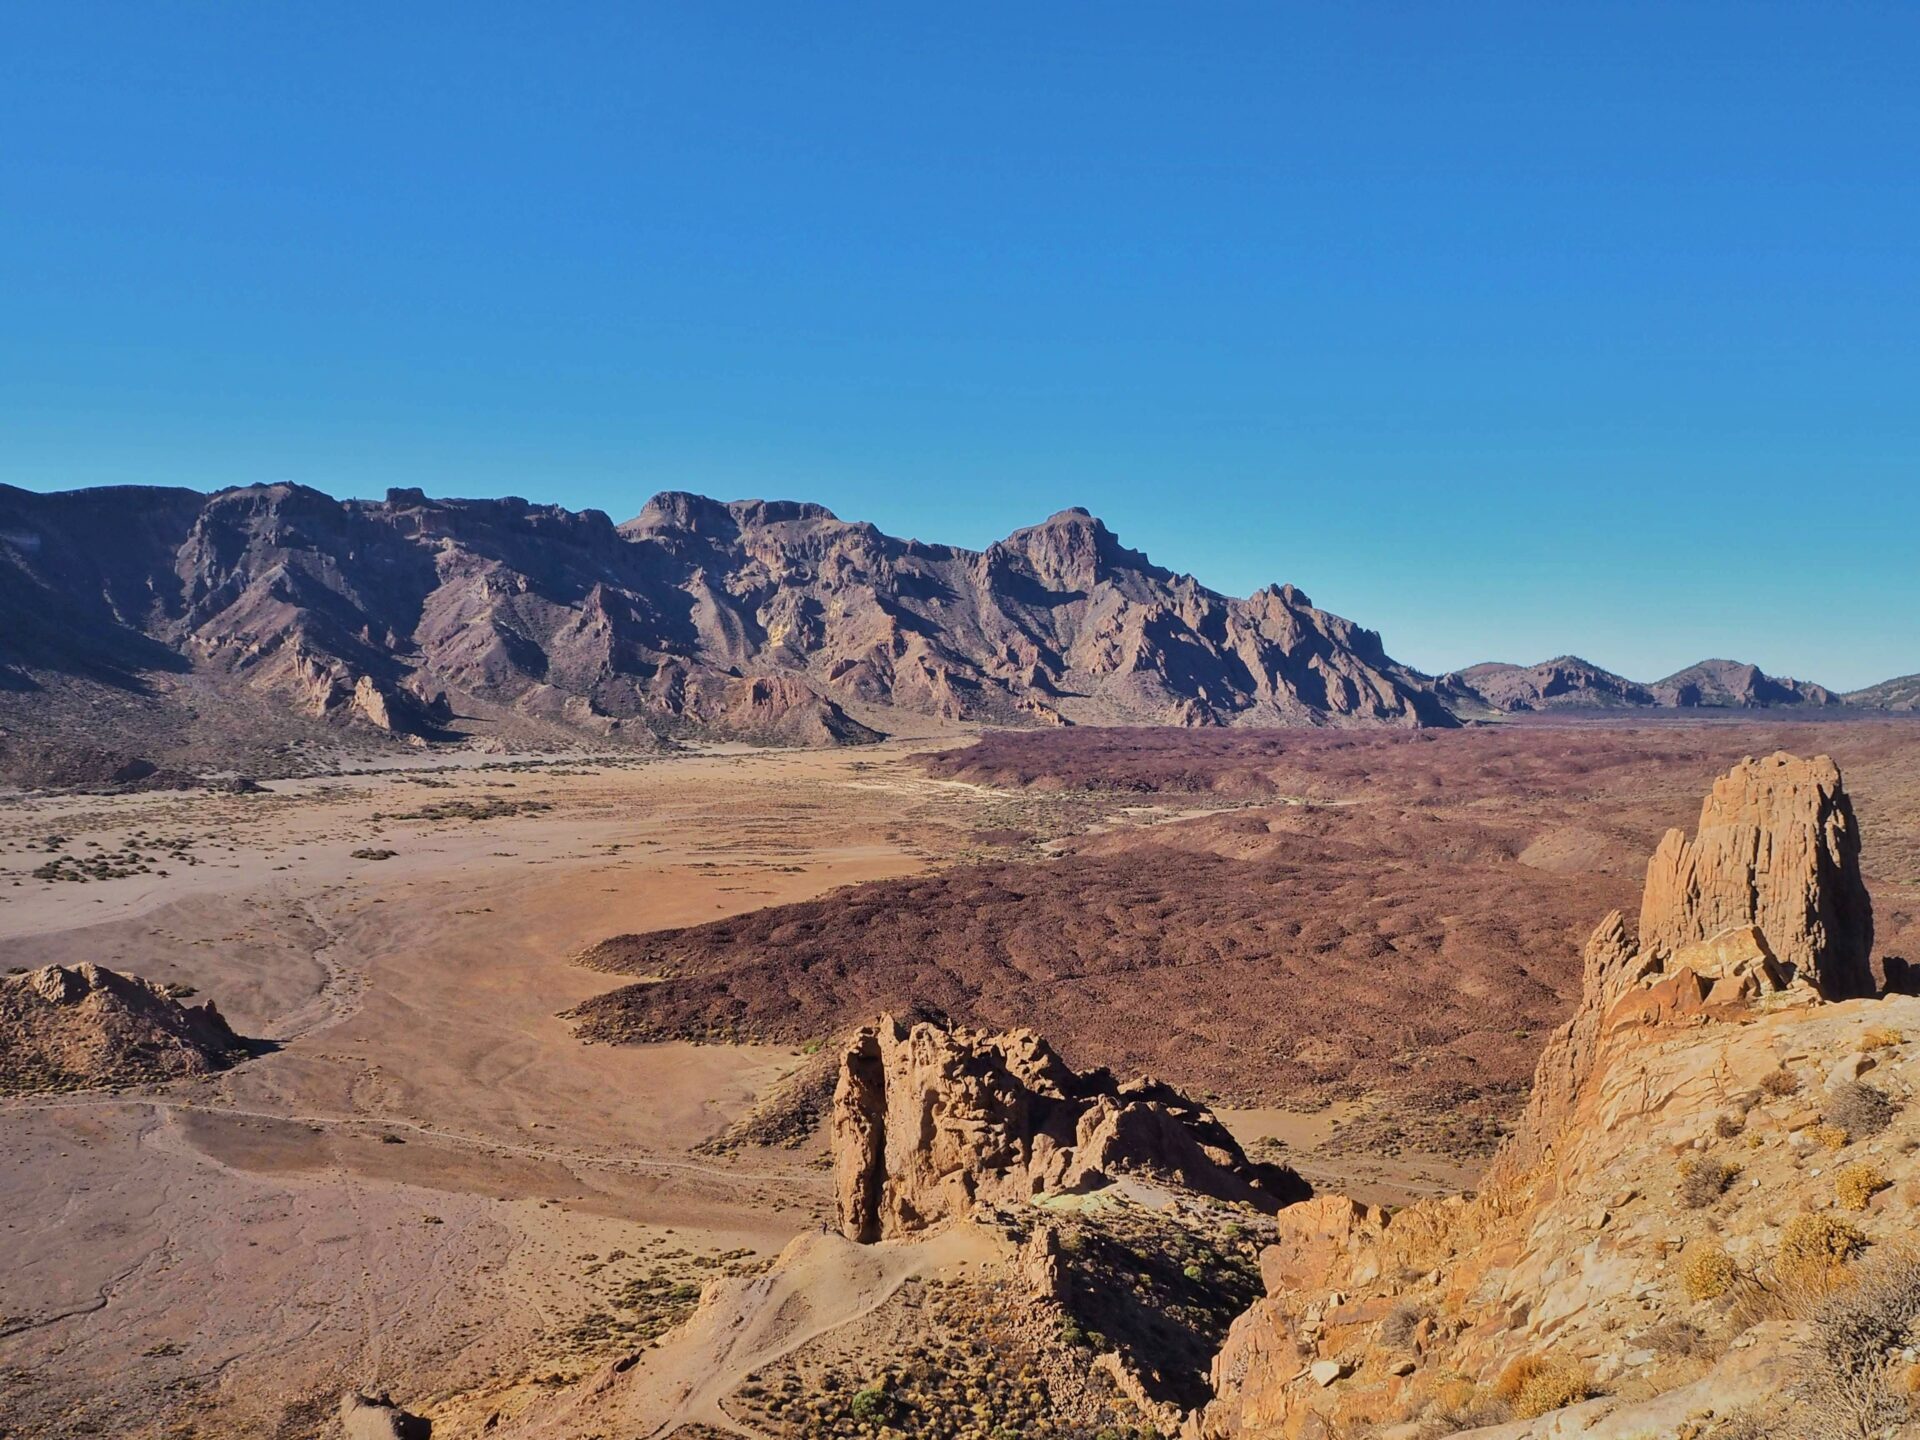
69,1027
927,1123
423,618
1700,1162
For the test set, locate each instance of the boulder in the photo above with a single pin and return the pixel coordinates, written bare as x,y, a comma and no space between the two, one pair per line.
376,1417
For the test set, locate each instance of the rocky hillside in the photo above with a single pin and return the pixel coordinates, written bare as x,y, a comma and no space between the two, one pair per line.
1696,1228
1570,683
767,620
70,1028
1900,695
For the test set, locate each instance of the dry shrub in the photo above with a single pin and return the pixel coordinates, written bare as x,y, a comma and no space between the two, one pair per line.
1830,1137
1815,1253
1880,1037
1553,1385
1780,1083
1854,1186
1706,1271
1767,1424
1679,1339
1396,1331
1727,1125
1859,1109
1459,1404
1704,1181
1855,1380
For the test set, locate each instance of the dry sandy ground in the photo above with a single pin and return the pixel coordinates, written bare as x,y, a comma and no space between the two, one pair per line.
430,1186
430,1181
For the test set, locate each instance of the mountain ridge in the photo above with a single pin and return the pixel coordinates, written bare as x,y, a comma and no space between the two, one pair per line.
275,616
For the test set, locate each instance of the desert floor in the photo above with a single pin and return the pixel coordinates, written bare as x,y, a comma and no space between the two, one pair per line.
429,1185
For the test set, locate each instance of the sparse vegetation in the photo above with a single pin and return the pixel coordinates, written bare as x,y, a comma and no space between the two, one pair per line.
1859,1109
1855,1186
1815,1251
1535,1384
1396,1331
1706,1271
1858,1382
1780,1083
1705,1180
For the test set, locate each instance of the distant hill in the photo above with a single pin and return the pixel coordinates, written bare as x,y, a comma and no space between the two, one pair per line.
1570,683
1900,694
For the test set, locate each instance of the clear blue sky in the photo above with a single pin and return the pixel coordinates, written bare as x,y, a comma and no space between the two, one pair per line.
1507,329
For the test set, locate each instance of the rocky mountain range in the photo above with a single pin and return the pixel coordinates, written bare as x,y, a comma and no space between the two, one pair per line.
274,616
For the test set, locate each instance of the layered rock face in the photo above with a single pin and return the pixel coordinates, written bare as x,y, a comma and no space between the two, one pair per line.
1568,1260
66,1027
759,619
927,1123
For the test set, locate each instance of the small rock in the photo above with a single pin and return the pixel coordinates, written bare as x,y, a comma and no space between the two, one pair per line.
1849,1068
1640,1357
1401,1367
1324,1372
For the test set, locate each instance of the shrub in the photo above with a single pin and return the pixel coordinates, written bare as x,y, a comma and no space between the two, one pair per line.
1854,1186
1535,1384
1462,1405
1830,1137
870,1404
1397,1329
1855,1383
1780,1083
1815,1251
1706,1271
1677,1338
1704,1181
1859,1109
1727,1125
1879,1037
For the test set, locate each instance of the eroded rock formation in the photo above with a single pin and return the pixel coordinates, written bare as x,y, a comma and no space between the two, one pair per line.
1778,849
929,1122
65,1027
1706,1034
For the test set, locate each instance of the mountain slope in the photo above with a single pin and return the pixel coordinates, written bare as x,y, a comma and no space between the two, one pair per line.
757,619
1901,694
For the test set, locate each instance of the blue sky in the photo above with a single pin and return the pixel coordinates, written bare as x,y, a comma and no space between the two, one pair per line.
1507,329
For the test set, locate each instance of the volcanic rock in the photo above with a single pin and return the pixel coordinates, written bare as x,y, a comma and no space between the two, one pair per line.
67,1027
757,619
929,1122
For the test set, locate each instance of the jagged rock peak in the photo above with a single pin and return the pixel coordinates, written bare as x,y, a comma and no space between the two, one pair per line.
928,1122
1777,848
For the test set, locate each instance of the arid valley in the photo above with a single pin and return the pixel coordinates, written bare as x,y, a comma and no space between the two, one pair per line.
468,1163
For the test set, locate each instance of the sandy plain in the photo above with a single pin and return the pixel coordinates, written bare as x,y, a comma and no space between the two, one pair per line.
429,1185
